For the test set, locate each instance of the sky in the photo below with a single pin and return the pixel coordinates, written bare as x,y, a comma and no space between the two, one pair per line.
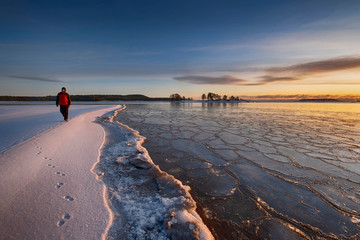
249,49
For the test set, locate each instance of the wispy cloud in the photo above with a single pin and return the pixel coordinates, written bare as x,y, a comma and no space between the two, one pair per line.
291,73
219,47
145,53
266,79
300,71
222,80
32,78
328,65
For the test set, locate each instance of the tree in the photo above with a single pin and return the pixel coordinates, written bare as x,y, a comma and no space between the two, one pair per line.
212,96
175,97
203,97
225,97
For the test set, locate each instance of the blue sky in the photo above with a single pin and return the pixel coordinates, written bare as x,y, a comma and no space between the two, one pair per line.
156,48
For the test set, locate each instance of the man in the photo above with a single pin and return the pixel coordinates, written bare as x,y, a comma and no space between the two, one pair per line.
63,98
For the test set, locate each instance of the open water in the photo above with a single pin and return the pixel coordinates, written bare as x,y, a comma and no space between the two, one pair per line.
260,170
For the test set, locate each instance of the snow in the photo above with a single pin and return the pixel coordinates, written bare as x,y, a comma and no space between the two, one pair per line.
52,187
47,188
21,122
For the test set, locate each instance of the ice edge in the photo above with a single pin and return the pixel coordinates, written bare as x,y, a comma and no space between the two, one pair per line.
184,215
110,115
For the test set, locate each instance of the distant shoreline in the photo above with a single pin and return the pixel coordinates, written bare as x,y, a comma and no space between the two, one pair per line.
319,100
86,98
101,98
140,97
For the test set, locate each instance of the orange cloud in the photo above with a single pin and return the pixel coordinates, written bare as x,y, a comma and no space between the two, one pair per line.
300,71
335,64
294,72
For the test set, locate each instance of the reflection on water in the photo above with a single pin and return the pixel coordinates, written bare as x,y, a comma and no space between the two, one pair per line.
261,170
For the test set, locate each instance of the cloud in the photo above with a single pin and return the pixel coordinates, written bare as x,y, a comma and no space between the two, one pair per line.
144,53
42,79
269,79
335,64
298,72
290,73
222,80
219,47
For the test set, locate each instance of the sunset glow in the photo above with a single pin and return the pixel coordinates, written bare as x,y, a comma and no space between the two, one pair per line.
233,48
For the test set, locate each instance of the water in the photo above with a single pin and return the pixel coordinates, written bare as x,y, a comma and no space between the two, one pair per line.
260,170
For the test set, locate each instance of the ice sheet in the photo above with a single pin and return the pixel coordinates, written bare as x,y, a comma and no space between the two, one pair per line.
286,161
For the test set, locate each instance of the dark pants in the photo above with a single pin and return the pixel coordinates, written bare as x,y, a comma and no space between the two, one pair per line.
64,109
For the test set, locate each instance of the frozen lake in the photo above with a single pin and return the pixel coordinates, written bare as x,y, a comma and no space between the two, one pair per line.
261,170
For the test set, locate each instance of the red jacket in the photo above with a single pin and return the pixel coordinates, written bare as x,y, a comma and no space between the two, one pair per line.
63,99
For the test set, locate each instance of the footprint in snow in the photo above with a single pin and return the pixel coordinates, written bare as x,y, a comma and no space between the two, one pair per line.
69,198
63,220
59,185
60,174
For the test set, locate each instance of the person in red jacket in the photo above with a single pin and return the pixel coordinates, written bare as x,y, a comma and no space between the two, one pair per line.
63,99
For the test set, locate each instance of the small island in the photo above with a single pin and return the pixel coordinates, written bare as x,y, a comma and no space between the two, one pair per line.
210,97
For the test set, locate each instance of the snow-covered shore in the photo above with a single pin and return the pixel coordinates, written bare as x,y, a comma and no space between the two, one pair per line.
21,122
74,180
47,188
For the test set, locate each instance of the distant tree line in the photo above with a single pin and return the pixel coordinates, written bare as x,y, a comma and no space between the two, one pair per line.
25,98
177,97
133,97
216,97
